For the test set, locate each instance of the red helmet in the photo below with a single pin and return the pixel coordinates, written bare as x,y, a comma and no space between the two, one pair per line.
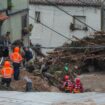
16,49
77,80
7,64
66,77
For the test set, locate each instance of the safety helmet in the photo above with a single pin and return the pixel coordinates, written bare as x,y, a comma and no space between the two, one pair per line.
16,49
75,67
77,80
7,64
66,77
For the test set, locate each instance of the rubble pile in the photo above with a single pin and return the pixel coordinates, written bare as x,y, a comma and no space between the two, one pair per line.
88,53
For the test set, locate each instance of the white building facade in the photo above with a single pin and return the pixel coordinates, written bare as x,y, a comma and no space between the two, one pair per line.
18,18
61,22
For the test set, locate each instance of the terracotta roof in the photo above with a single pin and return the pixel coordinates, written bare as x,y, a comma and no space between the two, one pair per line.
69,2
3,17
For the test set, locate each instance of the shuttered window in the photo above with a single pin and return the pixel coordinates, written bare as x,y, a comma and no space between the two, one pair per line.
78,24
37,16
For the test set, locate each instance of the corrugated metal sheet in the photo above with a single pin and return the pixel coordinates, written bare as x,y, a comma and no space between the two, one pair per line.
69,2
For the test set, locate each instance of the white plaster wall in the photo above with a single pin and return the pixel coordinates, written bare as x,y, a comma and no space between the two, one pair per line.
3,4
20,4
13,25
60,22
6,26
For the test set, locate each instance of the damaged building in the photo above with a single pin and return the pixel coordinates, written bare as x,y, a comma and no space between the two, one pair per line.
62,16
14,18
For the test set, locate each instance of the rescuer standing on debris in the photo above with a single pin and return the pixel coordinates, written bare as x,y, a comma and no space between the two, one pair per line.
28,55
76,71
68,71
78,87
66,67
16,58
6,73
28,84
67,85
45,68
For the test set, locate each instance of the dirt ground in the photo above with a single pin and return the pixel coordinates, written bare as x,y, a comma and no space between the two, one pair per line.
92,82
38,83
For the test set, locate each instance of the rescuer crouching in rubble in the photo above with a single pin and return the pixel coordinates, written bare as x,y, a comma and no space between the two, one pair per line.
78,87
6,74
67,85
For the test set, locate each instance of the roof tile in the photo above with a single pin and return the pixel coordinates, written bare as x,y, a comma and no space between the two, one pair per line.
69,2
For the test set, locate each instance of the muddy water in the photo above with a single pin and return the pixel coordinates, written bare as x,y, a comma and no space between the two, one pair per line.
43,98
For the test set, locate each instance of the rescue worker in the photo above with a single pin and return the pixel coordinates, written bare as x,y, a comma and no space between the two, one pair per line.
66,67
44,68
66,70
16,58
28,54
76,70
67,85
28,84
6,73
78,87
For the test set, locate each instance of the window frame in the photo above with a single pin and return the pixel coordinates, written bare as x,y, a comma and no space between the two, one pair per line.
74,23
37,16
9,4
